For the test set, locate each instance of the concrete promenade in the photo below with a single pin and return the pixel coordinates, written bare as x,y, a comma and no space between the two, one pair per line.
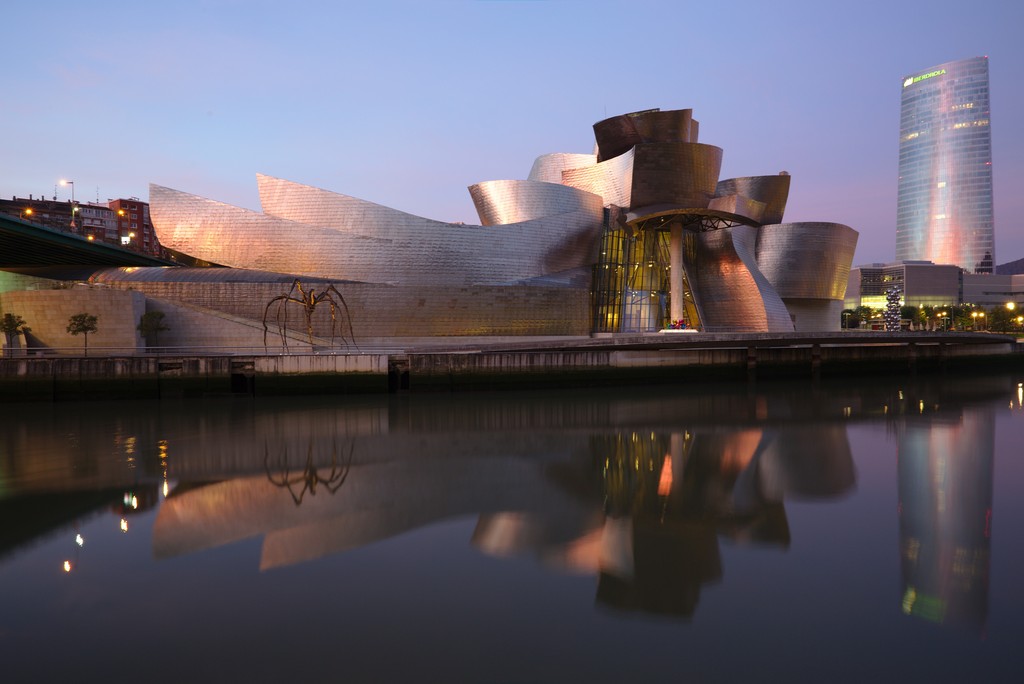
451,364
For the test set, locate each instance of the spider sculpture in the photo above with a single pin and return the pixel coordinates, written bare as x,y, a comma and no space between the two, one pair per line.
310,477
309,301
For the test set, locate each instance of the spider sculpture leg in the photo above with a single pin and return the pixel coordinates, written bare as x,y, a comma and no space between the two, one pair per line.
348,317
266,311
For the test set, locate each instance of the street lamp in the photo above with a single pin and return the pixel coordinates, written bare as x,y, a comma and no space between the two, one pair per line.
26,213
74,206
121,227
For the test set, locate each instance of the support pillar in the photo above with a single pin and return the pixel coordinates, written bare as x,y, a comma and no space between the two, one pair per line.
676,306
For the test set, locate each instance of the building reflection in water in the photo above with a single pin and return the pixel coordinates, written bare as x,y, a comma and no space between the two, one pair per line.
945,509
643,512
636,491
311,477
668,497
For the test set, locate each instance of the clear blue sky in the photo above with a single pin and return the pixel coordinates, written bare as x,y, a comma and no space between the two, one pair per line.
407,103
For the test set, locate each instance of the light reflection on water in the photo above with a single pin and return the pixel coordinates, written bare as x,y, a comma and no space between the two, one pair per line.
521,537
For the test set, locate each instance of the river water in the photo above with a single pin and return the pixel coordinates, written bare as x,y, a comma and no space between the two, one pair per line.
863,530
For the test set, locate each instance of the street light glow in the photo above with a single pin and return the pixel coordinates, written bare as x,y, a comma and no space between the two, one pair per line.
74,208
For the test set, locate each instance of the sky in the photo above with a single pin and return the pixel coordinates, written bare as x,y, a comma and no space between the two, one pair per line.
408,103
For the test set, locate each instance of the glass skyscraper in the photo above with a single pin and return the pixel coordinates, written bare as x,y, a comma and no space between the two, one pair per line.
944,210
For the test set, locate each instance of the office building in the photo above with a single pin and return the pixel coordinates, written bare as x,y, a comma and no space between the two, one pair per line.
944,207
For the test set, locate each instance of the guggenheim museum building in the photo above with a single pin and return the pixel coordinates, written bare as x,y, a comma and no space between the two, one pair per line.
638,236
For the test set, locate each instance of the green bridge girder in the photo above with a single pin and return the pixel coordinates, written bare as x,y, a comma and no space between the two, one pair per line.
26,244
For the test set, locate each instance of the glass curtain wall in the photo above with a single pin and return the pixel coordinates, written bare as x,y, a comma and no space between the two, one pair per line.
631,282
944,206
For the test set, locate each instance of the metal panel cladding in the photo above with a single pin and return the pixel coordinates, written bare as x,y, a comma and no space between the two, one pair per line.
612,179
512,201
944,206
732,294
683,174
807,260
773,191
313,232
549,167
618,134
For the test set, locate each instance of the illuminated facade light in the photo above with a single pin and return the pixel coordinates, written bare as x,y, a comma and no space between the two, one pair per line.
944,206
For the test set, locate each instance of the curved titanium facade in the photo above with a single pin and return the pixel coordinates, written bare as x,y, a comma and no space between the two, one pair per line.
773,191
808,264
807,260
655,178
373,244
748,209
612,180
618,134
683,174
292,201
944,205
549,167
731,293
661,237
514,201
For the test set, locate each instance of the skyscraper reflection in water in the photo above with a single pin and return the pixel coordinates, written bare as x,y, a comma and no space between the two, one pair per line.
636,491
945,508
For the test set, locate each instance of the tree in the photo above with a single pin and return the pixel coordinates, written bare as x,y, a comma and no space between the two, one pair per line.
152,324
82,324
960,315
927,316
12,326
912,314
854,317
1000,318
